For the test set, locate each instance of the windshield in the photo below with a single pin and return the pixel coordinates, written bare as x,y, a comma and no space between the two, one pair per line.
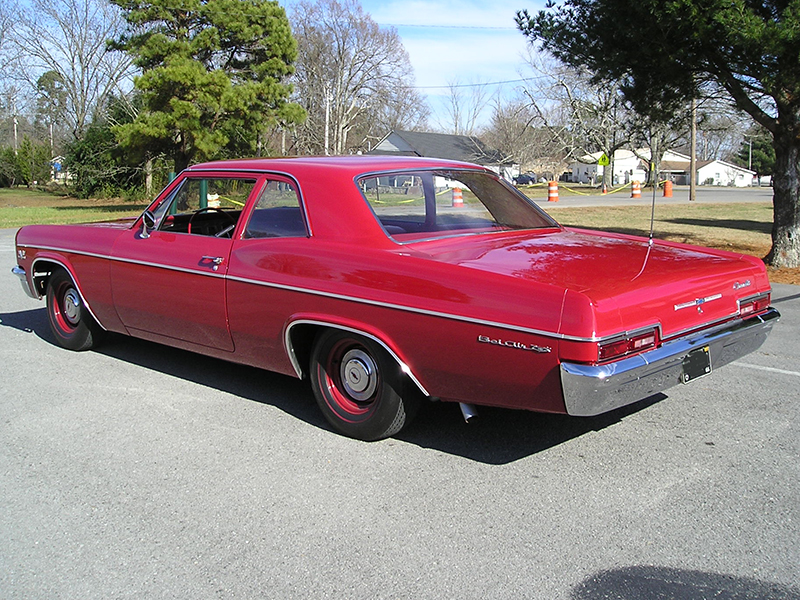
417,205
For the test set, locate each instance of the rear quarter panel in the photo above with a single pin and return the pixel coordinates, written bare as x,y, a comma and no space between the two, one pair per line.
433,316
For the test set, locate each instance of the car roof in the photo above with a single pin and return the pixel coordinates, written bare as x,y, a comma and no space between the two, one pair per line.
354,165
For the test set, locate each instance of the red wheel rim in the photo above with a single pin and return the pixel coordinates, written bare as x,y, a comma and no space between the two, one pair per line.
67,307
351,379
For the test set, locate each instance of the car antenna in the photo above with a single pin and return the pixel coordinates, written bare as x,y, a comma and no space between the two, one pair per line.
652,222
653,205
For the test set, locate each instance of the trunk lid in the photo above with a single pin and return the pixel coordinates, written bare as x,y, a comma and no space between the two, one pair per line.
629,283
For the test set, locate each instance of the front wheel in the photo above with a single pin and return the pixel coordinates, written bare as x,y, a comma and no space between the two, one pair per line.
359,387
70,321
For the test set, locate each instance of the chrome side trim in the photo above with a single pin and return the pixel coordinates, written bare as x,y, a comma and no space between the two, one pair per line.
287,342
411,309
400,307
130,261
23,279
592,390
77,286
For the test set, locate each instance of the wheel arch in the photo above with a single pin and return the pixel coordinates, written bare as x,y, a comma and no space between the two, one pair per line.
300,333
42,268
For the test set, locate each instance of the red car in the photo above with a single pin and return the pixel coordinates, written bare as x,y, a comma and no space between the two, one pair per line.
385,281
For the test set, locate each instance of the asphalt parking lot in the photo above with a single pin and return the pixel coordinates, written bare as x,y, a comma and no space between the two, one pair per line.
138,471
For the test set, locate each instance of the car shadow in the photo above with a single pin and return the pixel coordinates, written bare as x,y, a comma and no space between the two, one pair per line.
29,321
496,436
500,436
658,583
741,224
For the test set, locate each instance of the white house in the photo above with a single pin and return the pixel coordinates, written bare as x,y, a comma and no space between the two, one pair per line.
719,172
632,166
628,166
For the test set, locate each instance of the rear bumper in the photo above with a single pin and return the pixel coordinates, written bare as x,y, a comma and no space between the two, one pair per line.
20,272
592,390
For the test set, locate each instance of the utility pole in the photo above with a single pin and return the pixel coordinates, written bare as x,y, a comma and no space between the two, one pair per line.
327,119
693,152
14,111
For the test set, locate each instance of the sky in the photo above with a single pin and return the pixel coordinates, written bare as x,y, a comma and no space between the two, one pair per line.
457,41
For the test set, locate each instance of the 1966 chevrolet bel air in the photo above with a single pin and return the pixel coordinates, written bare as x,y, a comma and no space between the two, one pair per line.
388,280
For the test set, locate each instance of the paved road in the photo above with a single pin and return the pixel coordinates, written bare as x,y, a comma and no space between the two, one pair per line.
680,195
138,471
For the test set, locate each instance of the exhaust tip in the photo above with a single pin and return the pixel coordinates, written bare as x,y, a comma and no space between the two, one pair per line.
468,411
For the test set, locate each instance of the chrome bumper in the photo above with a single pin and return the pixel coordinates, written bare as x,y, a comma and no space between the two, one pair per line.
20,272
592,390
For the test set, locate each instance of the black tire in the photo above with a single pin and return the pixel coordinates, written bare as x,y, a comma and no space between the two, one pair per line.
360,389
70,321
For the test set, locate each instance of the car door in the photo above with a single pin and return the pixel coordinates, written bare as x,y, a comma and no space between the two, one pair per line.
168,284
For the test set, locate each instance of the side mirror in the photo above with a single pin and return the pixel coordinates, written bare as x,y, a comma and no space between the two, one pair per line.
148,222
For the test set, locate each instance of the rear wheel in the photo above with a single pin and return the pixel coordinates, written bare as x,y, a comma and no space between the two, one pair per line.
70,321
361,390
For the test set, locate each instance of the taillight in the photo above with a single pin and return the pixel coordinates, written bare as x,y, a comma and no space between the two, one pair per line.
627,345
754,304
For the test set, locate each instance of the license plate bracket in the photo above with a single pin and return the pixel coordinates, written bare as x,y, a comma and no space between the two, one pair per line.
696,364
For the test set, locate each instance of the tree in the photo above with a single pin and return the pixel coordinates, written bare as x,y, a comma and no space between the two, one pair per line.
51,102
582,117
354,77
33,162
464,105
678,47
213,75
68,39
757,152
98,165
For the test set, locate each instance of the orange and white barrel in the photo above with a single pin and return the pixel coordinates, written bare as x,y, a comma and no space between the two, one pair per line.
552,191
636,189
458,198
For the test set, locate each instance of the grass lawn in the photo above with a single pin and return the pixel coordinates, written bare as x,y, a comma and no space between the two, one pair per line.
22,207
741,228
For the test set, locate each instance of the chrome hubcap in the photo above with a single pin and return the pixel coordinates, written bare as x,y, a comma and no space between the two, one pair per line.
72,307
359,375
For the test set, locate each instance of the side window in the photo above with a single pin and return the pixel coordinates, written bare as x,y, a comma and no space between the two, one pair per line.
205,206
277,213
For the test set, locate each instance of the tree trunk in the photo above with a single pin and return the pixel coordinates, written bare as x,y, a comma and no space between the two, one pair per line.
785,250
148,178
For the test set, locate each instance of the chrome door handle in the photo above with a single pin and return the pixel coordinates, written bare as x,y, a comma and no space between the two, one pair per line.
217,260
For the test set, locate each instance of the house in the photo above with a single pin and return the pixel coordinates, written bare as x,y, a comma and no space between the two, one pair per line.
628,166
58,173
451,147
719,172
632,166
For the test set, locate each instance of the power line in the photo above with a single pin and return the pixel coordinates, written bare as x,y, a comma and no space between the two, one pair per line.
468,85
449,26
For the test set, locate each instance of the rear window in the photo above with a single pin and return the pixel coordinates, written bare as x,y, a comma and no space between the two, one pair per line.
418,205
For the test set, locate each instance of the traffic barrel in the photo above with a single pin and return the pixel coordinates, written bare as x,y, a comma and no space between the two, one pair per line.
552,191
636,189
667,189
458,198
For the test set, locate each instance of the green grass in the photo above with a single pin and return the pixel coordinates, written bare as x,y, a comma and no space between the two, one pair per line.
740,227
20,207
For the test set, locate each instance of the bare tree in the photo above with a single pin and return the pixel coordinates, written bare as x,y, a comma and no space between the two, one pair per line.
353,77
68,38
721,129
581,117
514,133
464,105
